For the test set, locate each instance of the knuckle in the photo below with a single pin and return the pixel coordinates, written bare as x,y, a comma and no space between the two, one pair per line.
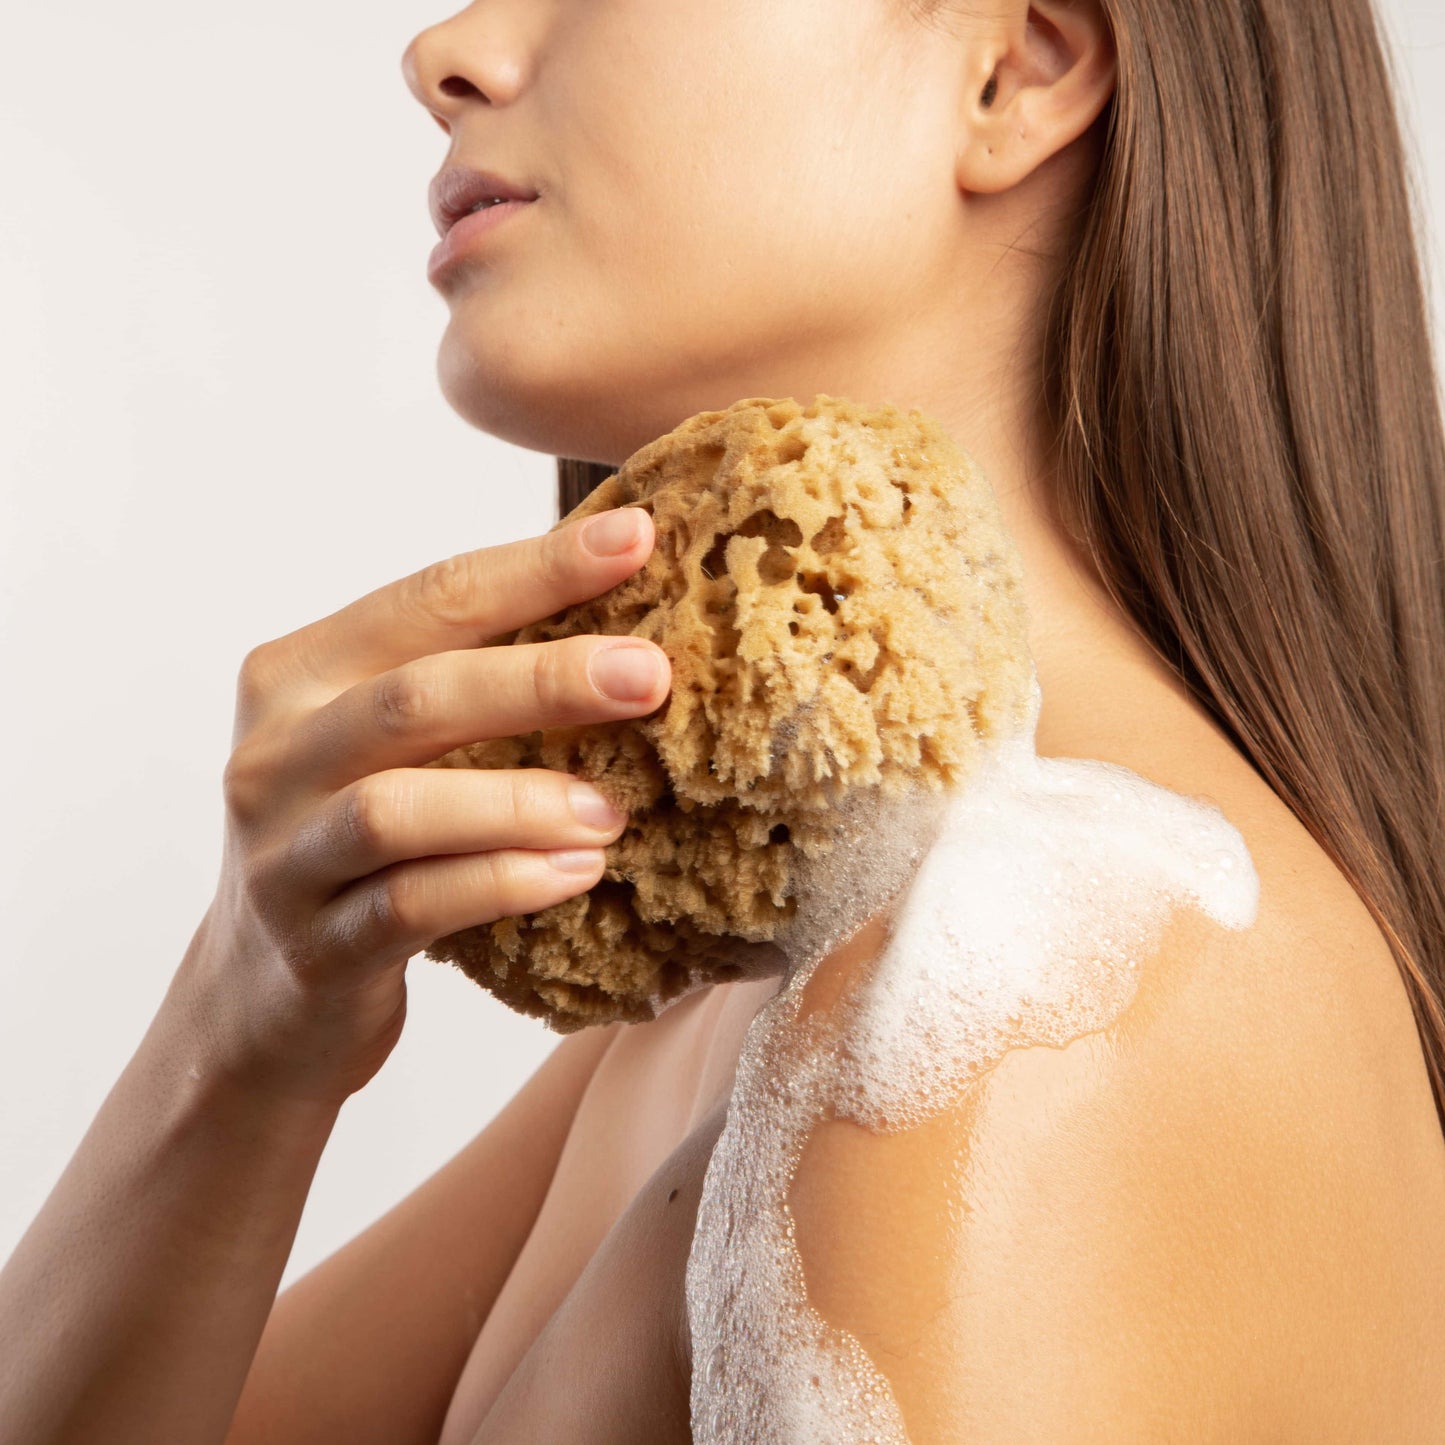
380,924
266,882
245,784
258,678
444,591
529,797
306,950
368,813
403,697
505,875
398,903
556,562
552,667
258,668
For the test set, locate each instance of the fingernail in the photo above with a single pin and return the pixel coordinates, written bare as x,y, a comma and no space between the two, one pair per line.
626,673
576,860
613,532
591,809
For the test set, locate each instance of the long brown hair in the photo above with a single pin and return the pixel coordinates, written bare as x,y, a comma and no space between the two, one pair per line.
1238,366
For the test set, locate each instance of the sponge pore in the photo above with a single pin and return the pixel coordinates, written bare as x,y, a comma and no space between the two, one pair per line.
842,608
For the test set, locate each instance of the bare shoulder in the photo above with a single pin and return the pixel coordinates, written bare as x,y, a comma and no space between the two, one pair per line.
1215,1219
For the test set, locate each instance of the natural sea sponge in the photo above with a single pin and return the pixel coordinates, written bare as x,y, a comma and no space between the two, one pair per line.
843,612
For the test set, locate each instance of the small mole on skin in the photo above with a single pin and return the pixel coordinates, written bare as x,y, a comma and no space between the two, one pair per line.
672,1196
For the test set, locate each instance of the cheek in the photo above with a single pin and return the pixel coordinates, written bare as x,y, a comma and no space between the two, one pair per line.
745,190
731,212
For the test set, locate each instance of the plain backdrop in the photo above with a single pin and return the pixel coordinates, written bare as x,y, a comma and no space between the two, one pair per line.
219,420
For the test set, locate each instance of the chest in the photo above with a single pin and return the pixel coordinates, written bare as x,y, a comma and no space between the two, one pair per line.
612,1236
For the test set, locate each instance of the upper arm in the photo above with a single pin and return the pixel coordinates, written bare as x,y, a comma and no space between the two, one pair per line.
1091,1243
368,1345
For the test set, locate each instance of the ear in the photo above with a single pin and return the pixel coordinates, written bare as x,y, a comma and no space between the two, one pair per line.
1044,76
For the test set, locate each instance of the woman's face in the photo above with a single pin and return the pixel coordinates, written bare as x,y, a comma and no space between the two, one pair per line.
735,198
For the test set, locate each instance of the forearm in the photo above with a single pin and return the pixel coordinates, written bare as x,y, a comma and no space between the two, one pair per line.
131,1309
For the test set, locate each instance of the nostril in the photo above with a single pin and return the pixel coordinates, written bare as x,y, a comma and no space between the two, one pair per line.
456,85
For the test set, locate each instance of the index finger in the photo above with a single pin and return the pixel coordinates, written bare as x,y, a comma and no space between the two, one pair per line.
468,599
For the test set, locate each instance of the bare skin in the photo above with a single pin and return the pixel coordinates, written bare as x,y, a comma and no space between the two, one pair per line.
1303,1166
753,197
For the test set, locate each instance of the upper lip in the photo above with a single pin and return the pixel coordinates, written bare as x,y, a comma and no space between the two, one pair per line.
455,190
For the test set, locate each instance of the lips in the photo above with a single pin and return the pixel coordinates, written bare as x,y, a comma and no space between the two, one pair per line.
456,189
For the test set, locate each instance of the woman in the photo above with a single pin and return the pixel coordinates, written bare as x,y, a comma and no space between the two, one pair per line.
1152,263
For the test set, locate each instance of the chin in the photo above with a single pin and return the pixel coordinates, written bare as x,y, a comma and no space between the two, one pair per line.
546,405
484,386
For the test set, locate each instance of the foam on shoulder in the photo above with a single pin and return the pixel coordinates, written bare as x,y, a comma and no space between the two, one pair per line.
1043,886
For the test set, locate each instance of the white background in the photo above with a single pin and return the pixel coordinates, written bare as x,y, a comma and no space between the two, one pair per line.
219,420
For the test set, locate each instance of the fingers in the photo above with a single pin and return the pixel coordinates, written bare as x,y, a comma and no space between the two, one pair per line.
409,813
395,913
425,708
460,602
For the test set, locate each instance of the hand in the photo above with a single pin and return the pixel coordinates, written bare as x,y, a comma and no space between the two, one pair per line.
344,856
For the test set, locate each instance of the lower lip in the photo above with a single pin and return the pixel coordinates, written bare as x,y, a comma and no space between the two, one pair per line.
472,227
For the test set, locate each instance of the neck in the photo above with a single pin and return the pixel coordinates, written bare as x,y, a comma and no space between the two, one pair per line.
1084,646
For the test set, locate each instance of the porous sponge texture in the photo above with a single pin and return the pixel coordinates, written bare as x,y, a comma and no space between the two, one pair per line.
842,608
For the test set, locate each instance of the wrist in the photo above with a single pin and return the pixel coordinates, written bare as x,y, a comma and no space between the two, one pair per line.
253,1029
184,1058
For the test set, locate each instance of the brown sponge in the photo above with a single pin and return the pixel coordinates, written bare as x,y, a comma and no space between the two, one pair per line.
843,613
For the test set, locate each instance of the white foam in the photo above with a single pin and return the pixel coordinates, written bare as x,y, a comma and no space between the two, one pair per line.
1042,887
